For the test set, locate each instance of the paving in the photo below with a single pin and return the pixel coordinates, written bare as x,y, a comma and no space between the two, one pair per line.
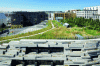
25,29
40,52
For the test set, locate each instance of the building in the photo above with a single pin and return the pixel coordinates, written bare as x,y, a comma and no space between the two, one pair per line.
71,11
74,11
51,14
36,52
3,19
59,16
89,12
80,13
8,15
28,18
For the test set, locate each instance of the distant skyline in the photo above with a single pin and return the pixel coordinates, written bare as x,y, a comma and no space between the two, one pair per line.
46,5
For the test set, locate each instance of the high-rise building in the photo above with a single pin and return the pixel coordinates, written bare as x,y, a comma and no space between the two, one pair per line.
89,12
3,19
28,18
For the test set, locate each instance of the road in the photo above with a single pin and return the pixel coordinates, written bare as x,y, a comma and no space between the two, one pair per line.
25,29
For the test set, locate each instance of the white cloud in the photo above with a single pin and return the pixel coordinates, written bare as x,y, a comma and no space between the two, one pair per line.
4,9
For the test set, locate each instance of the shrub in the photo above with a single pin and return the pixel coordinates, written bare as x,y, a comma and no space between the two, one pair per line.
3,25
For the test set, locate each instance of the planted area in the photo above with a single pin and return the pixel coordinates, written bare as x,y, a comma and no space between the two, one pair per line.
61,32
29,33
84,27
81,22
16,26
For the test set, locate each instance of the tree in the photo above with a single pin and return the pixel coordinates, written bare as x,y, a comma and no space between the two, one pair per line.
3,26
79,9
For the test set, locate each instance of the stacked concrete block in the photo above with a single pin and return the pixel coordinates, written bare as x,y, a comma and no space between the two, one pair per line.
44,65
55,52
30,65
6,62
19,65
29,58
76,45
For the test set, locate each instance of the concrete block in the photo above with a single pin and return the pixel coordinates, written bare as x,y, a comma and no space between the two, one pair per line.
8,62
17,58
44,65
29,58
30,65
42,45
76,45
19,65
56,45
32,45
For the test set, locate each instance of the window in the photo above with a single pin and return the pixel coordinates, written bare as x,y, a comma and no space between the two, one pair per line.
50,15
76,49
96,16
96,7
61,15
74,65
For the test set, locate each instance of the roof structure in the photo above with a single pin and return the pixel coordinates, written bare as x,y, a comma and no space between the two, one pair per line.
2,16
50,52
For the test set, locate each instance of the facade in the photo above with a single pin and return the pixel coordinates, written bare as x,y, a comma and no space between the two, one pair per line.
3,19
51,14
80,13
56,15
89,12
59,16
28,18
71,11
50,52
8,15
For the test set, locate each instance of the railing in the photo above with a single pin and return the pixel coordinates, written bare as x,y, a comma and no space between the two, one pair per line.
61,38
77,38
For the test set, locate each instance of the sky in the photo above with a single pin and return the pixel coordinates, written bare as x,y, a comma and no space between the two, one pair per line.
46,5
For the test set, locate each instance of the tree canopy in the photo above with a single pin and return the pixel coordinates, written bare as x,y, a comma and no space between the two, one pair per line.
82,22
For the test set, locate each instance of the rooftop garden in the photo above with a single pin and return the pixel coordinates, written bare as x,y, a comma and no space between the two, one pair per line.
88,28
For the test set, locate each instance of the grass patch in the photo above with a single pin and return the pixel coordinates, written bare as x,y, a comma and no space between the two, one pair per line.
92,32
5,41
68,32
59,32
3,28
29,33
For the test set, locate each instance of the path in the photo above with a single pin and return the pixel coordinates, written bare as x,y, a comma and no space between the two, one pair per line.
32,35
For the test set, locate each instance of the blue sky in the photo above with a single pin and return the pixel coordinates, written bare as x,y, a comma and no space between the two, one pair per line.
46,5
